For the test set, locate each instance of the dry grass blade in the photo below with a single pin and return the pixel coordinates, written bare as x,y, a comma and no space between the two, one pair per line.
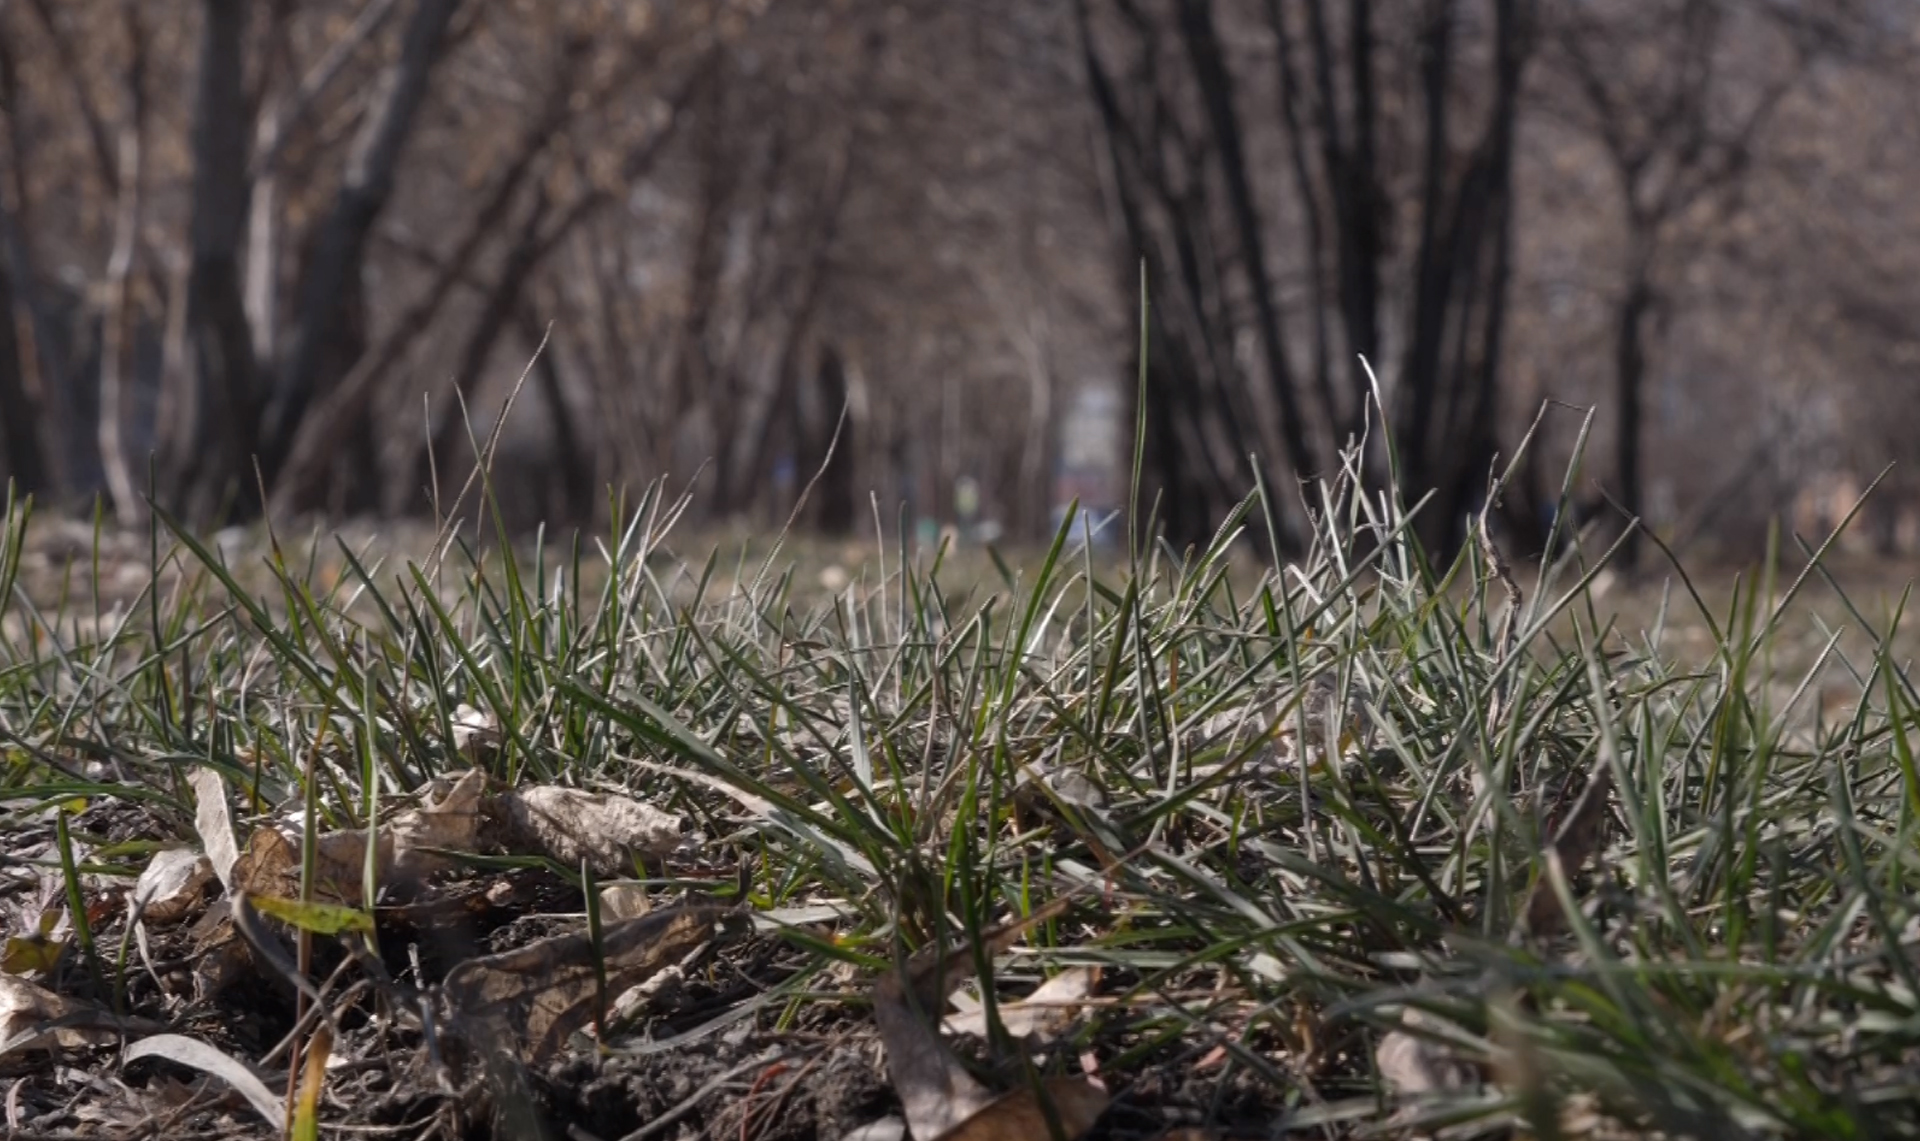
538,995
197,1055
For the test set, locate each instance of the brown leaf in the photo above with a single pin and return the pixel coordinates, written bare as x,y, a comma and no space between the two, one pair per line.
448,817
1579,839
1021,1116
572,825
940,1098
536,996
1412,1063
35,1017
1040,1015
212,821
172,886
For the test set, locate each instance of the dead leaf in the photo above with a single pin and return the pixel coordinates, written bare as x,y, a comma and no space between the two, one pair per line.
536,996
269,866
1412,1063
173,884
624,900
33,1016
212,821
1579,838
1039,1016
940,1098
475,733
38,951
1076,1103
572,825
447,818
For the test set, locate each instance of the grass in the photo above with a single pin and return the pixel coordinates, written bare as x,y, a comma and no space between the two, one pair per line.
1299,811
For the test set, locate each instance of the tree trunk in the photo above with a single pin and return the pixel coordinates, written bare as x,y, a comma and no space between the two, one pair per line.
340,252
209,432
22,457
117,324
1217,93
1630,369
32,391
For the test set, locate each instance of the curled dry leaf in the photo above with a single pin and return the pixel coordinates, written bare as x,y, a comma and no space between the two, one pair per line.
940,1098
1075,1103
447,818
474,732
212,821
624,900
536,996
1038,1017
172,886
572,825
1413,1063
34,1017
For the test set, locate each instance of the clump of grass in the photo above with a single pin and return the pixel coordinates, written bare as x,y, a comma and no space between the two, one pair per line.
1302,811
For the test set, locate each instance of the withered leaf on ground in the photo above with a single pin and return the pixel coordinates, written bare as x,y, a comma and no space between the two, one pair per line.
572,825
1076,1103
213,822
198,1055
1039,1015
940,1098
1578,839
172,886
534,997
34,1017
1413,1063
447,818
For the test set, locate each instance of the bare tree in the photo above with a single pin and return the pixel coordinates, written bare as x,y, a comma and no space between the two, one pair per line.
117,320
210,426
1206,222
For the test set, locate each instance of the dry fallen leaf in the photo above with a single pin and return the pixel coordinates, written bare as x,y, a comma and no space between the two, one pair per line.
572,825
1040,1015
1076,1104
269,866
940,1098
447,818
172,886
475,733
536,996
28,1012
1412,1063
212,822
624,900
1578,839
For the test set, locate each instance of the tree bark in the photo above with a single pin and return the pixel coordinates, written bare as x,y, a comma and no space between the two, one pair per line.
1217,93
32,389
1637,304
117,322
209,429
340,251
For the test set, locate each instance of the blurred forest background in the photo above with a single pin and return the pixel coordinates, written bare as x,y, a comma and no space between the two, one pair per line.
308,246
